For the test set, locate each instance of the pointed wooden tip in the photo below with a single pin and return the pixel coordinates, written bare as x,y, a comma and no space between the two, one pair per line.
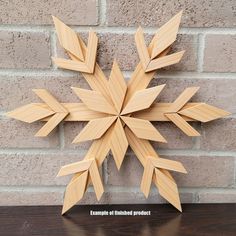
54,18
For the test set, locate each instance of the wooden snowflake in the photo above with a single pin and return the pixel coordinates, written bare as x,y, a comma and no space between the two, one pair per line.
119,113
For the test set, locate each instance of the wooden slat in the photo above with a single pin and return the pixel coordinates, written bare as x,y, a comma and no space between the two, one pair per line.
164,61
168,164
166,35
204,112
94,129
50,100
140,79
96,179
91,51
75,167
142,49
143,129
117,86
119,143
71,65
142,99
147,177
68,38
94,100
183,98
167,189
157,112
182,124
74,193
51,124
30,113
142,149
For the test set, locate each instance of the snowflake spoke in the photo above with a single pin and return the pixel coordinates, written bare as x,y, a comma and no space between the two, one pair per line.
143,129
119,143
142,99
182,124
94,129
95,101
117,86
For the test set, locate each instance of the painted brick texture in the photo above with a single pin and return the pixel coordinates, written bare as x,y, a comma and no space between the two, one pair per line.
29,165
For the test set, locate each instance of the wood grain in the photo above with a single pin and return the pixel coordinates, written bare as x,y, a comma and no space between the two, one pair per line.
94,100
94,129
117,86
143,129
182,124
142,99
119,143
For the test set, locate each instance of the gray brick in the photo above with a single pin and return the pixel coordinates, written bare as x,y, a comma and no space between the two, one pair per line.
197,13
75,12
203,171
220,53
24,50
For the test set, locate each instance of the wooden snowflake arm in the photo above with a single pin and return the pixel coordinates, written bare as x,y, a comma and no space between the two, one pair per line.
182,124
147,62
68,39
55,112
119,143
143,129
142,99
158,110
166,35
143,149
31,112
99,149
73,194
183,98
117,86
159,47
94,100
95,77
94,129
203,112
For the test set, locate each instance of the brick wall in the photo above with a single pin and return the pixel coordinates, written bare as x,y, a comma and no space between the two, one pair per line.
28,165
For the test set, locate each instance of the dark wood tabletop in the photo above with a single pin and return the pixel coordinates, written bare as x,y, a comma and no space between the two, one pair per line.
164,220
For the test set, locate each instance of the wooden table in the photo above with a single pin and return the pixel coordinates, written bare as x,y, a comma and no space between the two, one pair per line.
196,219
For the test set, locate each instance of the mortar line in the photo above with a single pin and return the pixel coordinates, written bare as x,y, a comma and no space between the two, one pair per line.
116,29
102,13
164,152
61,136
127,74
134,189
201,48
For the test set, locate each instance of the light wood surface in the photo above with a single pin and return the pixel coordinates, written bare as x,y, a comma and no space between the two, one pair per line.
75,167
96,179
51,124
94,100
30,113
204,112
117,86
166,35
73,194
164,61
119,143
68,38
142,99
183,98
182,124
141,48
94,129
143,129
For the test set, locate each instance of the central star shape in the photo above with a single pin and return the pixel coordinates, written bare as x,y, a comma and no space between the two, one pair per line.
117,110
